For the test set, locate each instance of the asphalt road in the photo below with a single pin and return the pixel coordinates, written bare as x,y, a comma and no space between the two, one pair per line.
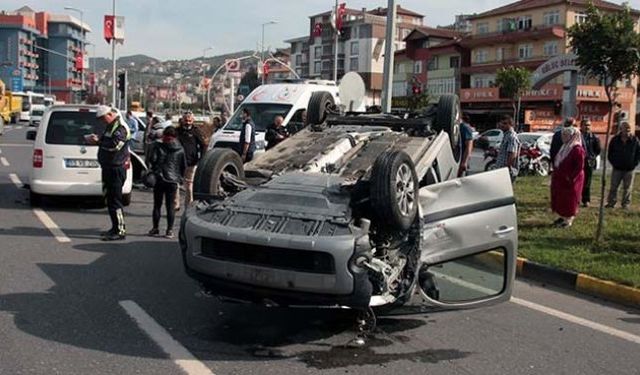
89,307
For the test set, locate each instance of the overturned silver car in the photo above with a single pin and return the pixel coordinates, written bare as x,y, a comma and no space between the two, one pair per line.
355,210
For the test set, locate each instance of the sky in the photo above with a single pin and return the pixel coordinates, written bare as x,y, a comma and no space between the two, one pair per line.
169,29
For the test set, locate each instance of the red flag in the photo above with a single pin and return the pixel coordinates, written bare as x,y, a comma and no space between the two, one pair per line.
79,61
342,11
317,29
109,27
265,69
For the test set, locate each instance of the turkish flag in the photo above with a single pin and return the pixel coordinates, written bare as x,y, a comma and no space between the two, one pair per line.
342,11
265,69
109,27
317,29
79,61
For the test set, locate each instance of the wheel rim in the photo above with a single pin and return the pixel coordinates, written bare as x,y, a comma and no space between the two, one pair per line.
405,192
229,168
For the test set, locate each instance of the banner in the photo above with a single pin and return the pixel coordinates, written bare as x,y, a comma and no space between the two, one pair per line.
317,29
118,30
79,63
109,26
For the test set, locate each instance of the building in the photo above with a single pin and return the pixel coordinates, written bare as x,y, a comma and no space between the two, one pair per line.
528,33
281,69
360,46
41,52
430,62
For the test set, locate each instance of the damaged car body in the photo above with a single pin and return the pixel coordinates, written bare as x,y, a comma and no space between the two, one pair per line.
354,211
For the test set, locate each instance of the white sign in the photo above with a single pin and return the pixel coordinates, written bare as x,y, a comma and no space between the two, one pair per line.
552,68
232,65
118,30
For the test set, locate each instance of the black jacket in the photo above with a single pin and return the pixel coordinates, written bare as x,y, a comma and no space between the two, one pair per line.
556,145
168,162
193,143
591,144
624,156
272,135
113,148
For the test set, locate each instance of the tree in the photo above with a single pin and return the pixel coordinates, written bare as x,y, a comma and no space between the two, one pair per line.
513,82
607,47
250,79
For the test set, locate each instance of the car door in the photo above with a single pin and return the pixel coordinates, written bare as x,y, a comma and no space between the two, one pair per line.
469,241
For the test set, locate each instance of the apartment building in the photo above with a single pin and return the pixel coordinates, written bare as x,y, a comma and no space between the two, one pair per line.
360,46
527,33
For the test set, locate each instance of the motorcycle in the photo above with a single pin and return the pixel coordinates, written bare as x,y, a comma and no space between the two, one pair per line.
532,161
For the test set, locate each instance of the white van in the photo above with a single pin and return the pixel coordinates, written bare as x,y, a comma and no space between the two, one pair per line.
63,164
289,100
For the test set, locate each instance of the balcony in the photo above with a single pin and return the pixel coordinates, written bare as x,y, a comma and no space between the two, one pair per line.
506,37
531,62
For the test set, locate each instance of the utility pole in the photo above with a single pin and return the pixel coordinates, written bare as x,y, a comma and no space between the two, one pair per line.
335,52
387,75
113,61
204,76
262,47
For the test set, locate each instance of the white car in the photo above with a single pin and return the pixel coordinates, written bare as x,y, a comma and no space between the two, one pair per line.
490,138
540,139
63,163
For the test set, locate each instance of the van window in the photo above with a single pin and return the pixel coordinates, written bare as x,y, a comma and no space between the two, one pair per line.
38,100
69,128
262,115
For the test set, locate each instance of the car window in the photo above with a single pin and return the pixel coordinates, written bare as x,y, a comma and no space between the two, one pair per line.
70,127
493,133
262,115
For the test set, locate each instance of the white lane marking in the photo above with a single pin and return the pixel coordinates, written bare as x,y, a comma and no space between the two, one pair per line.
16,180
4,161
178,353
580,321
549,311
51,225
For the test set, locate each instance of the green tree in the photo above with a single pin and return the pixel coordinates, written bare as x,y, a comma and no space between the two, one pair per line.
513,82
607,47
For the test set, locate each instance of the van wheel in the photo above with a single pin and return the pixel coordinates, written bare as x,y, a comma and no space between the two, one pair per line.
394,190
320,104
35,199
448,120
208,179
126,199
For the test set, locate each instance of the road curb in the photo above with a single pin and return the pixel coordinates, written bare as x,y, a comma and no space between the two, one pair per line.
579,282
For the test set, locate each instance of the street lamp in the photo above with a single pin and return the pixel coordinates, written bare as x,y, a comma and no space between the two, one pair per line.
81,40
262,47
204,51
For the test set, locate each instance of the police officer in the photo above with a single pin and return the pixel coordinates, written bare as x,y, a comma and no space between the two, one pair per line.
113,153
247,141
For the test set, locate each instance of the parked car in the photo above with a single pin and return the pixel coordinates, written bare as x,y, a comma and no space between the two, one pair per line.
489,139
63,163
359,211
542,140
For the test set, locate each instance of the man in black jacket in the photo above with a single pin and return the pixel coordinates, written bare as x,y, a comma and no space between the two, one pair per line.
168,163
591,144
624,156
276,133
192,142
556,140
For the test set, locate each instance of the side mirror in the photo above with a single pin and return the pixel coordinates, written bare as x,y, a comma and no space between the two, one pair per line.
31,135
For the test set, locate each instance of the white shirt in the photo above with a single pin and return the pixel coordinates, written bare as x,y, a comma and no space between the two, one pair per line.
247,133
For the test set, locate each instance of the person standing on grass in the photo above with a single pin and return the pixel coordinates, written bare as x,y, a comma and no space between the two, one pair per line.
592,149
567,179
624,156
168,163
509,148
556,140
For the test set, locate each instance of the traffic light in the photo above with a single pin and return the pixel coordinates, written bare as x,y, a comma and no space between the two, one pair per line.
416,90
122,83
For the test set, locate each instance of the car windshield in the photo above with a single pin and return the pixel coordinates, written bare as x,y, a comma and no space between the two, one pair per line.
37,112
70,127
262,115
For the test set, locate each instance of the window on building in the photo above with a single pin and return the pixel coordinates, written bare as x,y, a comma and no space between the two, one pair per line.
499,54
353,64
525,51
341,64
317,52
327,50
551,18
580,17
317,67
481,56
482,28
298,60
550,48
417,67
355,48
433,63
454,62
524,22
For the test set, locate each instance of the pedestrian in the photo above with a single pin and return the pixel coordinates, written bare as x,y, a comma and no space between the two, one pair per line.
592,149
567,179
168,163
133,124
509,148
147,131
466,145
216,124
247,141
556,140
113,153
276,133
624,156
194,147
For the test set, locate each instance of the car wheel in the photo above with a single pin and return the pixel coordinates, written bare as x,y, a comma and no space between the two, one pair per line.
35,199
126,199
319,106
394,190
448,120
208,177
490,166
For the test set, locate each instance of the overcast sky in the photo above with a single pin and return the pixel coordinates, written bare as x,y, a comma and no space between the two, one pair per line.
169,29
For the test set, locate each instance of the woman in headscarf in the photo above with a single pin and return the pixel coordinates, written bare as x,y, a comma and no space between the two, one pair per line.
567,179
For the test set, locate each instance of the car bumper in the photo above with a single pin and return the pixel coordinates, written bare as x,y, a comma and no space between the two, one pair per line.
72,189
282,271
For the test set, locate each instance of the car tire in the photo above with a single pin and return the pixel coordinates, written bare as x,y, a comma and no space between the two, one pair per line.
394,190
35,199
126,199
319,106
210,168
448,120
490,166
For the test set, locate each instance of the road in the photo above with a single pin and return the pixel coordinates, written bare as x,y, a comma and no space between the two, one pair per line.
71,304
